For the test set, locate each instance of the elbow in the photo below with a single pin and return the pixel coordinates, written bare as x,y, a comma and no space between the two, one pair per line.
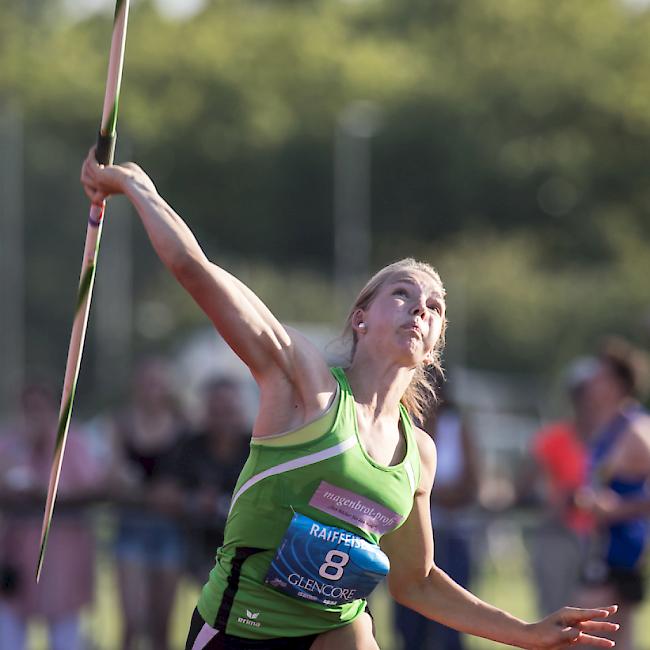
399,595
405,590
186,268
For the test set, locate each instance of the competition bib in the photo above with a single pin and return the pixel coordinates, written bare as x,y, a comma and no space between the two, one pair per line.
325,564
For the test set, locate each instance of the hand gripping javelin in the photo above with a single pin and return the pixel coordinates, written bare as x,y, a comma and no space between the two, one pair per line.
104,155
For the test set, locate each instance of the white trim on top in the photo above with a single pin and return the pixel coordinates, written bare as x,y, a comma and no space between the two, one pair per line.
303,461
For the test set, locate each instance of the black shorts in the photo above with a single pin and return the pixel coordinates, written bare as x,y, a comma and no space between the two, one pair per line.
629,584
203,637
210,639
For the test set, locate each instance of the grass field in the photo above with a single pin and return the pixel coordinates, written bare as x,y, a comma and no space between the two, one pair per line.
503,581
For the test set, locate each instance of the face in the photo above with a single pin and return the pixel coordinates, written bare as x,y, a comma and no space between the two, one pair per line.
602,387
405,317
40,415
224,410
152,384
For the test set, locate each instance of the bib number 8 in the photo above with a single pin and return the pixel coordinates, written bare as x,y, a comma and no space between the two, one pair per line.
332,568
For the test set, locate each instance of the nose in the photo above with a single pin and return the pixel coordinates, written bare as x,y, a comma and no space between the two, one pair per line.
419,307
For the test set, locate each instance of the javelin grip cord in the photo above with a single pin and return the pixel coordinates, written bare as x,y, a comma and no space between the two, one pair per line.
105,148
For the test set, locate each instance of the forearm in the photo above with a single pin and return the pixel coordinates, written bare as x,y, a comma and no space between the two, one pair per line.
170,237
631,509
440,598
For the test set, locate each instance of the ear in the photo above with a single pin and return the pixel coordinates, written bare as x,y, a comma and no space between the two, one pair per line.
357,319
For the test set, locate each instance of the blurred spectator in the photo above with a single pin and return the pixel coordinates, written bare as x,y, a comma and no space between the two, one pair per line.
149,545
454,489
207,465
619,469
26,454
559,452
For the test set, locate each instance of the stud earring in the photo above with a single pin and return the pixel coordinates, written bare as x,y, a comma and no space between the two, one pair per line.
362,326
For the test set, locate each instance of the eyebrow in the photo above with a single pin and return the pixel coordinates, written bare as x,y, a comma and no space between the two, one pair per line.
435,296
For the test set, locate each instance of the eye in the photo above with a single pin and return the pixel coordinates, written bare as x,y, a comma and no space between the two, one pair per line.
436,307
400,291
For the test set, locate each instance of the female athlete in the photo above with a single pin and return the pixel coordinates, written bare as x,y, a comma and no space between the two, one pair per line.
335,493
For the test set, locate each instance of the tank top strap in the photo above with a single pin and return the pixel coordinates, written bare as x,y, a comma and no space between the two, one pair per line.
347,416
342,380
412,458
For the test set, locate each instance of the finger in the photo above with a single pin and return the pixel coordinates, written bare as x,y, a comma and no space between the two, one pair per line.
572,615
85,176
95,195
87,169
91,159
90,192
610,609
593,641
598,626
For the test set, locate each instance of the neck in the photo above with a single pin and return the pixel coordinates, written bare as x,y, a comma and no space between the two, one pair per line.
221,444
605,411
378,385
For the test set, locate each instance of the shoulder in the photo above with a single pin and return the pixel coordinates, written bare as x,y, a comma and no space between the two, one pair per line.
311,360
642,424
428,456
631,454
639,431
554,432
309,372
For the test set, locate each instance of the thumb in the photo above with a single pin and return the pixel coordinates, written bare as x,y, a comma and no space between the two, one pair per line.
99,197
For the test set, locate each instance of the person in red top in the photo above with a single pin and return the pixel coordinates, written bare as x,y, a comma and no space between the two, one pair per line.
560,454
560,451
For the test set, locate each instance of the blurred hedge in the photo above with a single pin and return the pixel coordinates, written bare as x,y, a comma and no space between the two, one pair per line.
513,149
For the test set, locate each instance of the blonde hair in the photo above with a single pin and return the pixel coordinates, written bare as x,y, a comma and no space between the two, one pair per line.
421,392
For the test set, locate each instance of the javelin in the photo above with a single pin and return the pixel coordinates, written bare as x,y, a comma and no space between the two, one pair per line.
104,154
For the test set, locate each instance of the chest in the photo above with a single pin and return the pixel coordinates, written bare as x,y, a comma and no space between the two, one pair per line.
383,442
351,490
346,489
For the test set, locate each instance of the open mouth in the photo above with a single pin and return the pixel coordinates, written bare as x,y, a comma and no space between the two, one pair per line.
414,329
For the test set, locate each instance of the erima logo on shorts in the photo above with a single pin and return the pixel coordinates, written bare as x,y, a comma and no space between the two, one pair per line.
250,619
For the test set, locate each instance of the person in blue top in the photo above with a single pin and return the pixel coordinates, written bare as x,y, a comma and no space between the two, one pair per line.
397,328
618,492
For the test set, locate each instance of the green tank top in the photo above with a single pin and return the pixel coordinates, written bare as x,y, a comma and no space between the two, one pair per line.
331,480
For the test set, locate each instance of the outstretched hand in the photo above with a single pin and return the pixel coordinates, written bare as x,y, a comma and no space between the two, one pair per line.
102,181
571,626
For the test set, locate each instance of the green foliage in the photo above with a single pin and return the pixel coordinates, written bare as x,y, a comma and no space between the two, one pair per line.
506,118
515,312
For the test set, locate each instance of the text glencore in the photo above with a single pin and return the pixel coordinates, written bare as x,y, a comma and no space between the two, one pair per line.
309,584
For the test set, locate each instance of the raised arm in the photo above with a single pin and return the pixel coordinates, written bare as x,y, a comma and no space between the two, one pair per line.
271,351
416,582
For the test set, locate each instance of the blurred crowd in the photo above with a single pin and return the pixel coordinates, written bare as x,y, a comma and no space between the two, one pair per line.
166,478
